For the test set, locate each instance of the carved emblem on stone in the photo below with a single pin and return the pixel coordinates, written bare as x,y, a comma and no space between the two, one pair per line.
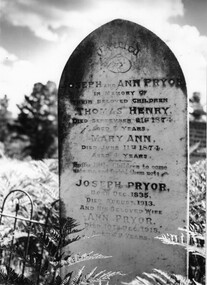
119,64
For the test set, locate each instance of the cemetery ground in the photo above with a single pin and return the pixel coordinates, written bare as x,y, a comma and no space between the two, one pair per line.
40,180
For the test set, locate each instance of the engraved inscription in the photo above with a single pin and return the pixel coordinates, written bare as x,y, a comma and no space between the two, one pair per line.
118,127
103,50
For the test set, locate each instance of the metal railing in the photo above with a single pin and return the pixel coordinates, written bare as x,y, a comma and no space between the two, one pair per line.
8,259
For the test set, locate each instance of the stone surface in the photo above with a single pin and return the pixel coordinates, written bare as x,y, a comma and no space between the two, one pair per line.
123,149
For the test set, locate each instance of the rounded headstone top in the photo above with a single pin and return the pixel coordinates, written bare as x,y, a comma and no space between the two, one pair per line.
121,41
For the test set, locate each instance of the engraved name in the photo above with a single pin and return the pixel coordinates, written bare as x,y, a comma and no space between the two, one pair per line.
142,82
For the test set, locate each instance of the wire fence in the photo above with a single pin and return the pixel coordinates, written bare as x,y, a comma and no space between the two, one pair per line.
15,219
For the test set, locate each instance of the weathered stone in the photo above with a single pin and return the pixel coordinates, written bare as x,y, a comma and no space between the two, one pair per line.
123,149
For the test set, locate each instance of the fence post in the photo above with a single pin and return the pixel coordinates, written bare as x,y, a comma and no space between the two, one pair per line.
17,207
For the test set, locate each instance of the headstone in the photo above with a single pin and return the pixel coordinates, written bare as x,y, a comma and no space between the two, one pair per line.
123,150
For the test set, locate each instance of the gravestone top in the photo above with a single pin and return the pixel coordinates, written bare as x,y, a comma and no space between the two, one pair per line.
123,148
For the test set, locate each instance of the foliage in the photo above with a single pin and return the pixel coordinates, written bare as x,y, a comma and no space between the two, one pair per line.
9,276
198,196
5,117
36,124
197,224
197,219
159,277
5,120
40,180
45,258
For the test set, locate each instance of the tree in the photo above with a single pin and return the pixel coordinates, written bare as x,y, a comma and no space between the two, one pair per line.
37,122
5,120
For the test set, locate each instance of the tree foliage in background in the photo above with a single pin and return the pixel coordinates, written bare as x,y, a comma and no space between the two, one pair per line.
5,120
36,124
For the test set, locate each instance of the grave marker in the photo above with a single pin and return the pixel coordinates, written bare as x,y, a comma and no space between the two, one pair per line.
123,149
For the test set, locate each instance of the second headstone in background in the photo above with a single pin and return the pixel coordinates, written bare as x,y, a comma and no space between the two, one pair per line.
123,148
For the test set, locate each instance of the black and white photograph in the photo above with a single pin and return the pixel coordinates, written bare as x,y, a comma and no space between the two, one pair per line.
103,142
